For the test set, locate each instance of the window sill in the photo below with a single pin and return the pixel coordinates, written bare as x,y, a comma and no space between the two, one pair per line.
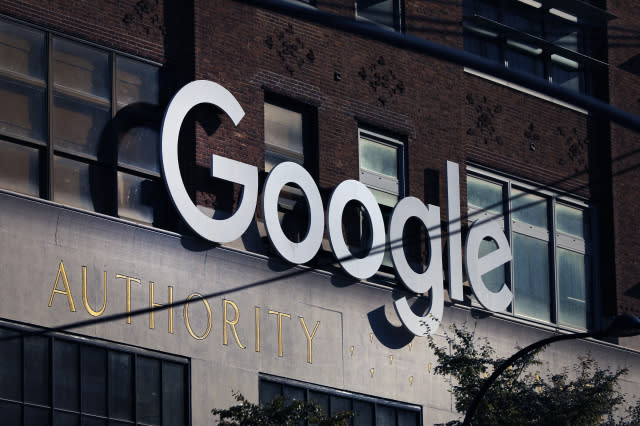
525,90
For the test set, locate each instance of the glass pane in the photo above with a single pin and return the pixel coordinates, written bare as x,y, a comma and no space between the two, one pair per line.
531,277
80,126
93,380
269,391
571,221
572,288
481,46
36,416
528,23
148,388
79,184
495,278
566,77
272,158
380,11
22,50
173,394
378,158
529,208
363,413
137,197
321,398
36,370
22,110
139,147
385,416
562,34
10,365
19,168
11,413
339,404
283,128
81,68
136,82
484,195
294,393
485,8
61,418
408,418
120,385
521,61
66,368
93,421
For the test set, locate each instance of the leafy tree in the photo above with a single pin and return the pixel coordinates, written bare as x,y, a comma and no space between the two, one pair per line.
279,412
587,395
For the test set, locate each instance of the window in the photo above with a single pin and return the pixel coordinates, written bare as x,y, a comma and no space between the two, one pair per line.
73,382
549,235
367,410
554,42
289,136
387,13
79,125
381,160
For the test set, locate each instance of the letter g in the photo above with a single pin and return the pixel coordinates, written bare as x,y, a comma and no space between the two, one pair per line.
216,230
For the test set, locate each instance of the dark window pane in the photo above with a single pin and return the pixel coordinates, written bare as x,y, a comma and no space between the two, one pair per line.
19,168
82,69
22,50
11,414
93,380
139,198
529,62
173,394
65,375
148,390
339,404
80,184
566,73
10,364
294,393
36,370
408,418
380,11
385,415
136,82
22,110
269,391
363,413
92,421
321,398
87,133
529,23
120,385
36,416
139,146
61,418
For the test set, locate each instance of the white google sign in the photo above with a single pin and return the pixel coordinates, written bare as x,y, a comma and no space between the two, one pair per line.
225,230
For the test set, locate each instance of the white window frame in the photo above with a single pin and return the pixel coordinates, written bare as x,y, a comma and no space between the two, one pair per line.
377,181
